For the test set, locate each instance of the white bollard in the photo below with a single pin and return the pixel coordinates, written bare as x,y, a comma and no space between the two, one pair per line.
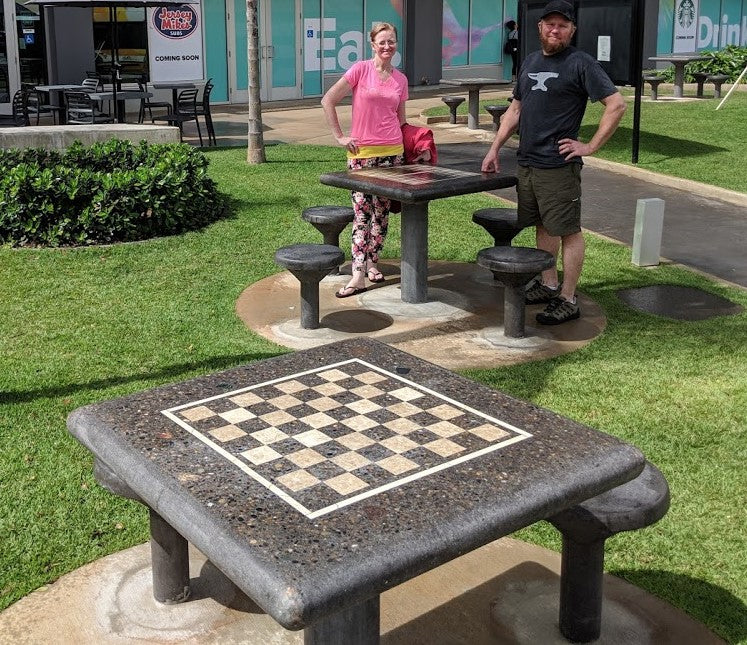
649,223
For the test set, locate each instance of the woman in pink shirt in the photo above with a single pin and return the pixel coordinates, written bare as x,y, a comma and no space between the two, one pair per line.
379,94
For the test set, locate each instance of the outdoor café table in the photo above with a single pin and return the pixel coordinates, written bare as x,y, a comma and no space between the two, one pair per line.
318,479
122,96
473,87
415,185
56,95
174,86
679,61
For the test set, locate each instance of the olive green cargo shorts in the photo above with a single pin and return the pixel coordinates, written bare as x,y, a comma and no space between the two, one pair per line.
551,197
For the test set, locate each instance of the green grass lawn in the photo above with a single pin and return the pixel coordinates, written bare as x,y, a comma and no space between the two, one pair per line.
688,139
89,324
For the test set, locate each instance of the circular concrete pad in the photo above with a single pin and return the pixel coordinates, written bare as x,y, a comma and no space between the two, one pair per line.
680,303
503,592
460,326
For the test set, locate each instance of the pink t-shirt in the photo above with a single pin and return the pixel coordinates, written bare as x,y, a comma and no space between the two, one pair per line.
375,103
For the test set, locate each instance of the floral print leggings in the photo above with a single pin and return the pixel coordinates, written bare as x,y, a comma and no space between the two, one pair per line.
371,219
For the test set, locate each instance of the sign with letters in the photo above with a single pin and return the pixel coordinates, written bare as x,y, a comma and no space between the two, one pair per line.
175,43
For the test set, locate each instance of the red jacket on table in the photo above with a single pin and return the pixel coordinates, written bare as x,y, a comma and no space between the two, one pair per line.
417,140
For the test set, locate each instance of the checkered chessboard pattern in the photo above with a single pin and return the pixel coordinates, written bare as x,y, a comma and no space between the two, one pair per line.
329,437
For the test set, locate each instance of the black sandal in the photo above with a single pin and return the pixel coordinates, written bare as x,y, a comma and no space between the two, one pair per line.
353,291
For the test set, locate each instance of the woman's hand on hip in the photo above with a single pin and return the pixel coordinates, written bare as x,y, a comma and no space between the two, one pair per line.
348,143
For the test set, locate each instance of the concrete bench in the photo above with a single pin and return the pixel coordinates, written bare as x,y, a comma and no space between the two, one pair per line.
453,102
330,221
654,80
496,111
499,222
514,267
60,137
309,263
585,527
718,80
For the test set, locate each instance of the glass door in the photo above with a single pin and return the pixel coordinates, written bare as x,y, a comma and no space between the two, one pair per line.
31,44
279,51
8,55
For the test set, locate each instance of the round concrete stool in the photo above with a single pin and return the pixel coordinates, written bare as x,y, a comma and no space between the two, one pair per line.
654,81
330,221
499,222
309,263
718,80
496,111
453,102
700,79
585,527
513,267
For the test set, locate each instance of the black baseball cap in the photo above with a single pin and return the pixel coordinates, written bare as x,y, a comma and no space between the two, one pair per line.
562,7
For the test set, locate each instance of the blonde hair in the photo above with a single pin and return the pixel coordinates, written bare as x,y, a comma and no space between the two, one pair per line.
379,27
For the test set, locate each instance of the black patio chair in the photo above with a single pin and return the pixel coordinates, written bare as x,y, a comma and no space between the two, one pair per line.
82,110
20,116
203,109
185,110
37,106
147,104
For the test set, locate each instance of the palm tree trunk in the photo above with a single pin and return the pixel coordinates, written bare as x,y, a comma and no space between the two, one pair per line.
256,149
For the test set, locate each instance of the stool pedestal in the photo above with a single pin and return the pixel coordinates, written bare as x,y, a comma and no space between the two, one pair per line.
309,263
514,267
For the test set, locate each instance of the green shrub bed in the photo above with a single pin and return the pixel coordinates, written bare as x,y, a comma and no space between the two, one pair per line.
113,191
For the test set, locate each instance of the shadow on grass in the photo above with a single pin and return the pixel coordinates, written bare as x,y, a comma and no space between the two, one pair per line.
170,373
706,602
651,143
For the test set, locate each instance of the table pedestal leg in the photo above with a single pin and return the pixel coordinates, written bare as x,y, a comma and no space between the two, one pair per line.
170,561
679,80
473,119
358,624
414,269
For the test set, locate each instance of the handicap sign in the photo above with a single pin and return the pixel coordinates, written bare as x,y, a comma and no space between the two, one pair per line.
29,39
309,33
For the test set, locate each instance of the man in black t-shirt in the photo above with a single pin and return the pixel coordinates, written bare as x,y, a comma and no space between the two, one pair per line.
550,96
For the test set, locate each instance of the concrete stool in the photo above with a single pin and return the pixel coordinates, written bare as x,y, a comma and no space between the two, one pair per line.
453,102
499,222
513,267
718,80
700,79
496,111
654,81
635,504
309,263
330,221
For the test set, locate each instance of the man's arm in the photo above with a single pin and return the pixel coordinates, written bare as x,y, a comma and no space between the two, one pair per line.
614,108
509,124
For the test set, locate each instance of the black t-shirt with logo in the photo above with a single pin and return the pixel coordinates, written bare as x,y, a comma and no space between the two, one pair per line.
553,91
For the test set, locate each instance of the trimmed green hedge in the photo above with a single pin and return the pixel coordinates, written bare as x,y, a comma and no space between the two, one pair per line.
109,192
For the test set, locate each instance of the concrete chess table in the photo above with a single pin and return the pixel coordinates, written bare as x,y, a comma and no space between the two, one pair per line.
319,479
415,186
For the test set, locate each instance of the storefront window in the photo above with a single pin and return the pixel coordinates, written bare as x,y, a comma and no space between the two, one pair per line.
130,39
4,82
31,44
472,32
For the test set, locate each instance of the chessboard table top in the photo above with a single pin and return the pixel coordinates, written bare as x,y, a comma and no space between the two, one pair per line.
323,477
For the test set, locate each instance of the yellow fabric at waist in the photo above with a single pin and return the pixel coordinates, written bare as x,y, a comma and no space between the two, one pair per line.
366,152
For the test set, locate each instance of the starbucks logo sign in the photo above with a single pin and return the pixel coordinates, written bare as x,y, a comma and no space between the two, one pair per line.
686,13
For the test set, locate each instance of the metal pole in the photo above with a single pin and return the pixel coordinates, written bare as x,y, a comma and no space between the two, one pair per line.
638,8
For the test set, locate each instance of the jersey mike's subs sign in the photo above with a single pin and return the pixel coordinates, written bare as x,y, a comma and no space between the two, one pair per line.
175,43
